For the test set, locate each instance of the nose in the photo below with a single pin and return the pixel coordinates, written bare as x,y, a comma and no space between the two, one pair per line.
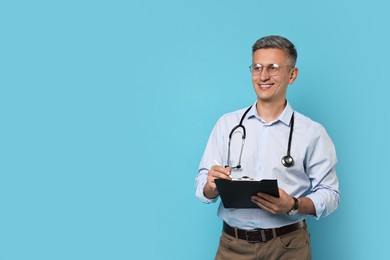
264,75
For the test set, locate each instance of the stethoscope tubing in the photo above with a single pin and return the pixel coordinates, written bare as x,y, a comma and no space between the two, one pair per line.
287,160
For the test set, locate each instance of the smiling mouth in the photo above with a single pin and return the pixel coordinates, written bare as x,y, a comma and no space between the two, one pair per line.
265,86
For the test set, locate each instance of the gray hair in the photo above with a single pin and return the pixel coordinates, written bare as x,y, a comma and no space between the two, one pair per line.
277,42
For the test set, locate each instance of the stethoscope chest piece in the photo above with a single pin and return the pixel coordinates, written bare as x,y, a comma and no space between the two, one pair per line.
287,161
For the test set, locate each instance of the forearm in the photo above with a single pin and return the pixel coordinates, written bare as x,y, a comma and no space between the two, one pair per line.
306,206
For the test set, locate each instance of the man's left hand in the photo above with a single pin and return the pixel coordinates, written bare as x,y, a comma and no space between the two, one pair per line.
274,205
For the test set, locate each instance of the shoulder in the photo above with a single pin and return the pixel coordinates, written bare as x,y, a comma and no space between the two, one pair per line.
232,117
305,121
309,127
234,114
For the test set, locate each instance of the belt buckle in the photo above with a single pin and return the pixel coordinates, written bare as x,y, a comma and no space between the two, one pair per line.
252,236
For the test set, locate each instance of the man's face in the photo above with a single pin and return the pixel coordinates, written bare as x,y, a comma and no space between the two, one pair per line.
272,88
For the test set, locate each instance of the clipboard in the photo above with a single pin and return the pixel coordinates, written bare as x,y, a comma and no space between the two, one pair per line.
237,193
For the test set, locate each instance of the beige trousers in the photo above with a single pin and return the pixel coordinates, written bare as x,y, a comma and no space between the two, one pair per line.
294,245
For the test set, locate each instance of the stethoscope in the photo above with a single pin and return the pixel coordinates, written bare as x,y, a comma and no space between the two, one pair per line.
287,160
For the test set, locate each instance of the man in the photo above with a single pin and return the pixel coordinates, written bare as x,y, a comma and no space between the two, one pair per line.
281,144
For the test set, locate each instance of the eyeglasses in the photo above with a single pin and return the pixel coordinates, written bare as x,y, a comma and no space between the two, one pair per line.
272,69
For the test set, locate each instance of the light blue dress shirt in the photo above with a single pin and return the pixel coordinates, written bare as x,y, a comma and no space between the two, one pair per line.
313,174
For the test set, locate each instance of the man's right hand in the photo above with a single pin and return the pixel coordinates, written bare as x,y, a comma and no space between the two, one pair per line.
216,172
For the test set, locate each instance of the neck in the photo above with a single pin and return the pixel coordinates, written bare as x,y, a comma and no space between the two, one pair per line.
270,111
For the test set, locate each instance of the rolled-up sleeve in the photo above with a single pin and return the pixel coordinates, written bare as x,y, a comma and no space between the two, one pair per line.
200,182
212,153
321,169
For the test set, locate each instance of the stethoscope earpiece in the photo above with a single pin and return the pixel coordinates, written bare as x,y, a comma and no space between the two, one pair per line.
287,161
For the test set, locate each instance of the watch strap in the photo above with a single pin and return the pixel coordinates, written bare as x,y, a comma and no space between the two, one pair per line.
295,208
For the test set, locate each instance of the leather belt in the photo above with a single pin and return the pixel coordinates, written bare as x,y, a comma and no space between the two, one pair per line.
261,235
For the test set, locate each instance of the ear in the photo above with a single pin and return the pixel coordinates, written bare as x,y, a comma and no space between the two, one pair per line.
293,76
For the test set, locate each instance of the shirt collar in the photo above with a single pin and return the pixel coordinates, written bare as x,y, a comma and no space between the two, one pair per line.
284,117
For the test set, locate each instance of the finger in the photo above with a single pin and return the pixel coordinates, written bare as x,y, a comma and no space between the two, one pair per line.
267,197
221,169
264,204
223,176
212,186
220,175
261,201
257,201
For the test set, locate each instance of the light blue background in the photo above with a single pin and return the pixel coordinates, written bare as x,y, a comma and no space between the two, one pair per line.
106,107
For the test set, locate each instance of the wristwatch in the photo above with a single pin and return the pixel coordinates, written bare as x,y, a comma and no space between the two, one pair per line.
294,209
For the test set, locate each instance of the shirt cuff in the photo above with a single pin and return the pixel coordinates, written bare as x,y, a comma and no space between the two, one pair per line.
201,196
319,204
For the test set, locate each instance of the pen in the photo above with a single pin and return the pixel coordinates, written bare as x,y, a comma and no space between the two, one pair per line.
230,176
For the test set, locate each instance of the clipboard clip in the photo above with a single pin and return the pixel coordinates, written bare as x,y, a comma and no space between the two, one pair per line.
244,178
